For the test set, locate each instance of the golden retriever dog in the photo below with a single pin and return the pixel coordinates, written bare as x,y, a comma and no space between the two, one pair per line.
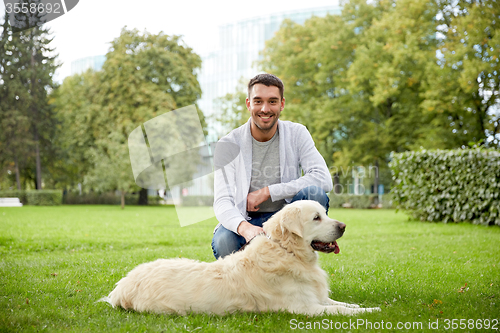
277,271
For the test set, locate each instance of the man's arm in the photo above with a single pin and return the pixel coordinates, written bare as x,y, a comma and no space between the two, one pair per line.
225,205
255,198
315,169
249,230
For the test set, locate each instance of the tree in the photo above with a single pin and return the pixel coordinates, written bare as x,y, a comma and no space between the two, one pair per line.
392,76
14,138
463,92
233,110
315,60
28,64
144,76
74,105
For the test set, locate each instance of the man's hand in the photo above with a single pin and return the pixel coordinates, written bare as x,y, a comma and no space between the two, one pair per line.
255,198
249,230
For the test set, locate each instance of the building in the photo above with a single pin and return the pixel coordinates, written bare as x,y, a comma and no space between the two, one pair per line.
238,48
81,65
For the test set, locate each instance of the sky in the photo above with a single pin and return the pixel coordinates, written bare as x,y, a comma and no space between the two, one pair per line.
89,27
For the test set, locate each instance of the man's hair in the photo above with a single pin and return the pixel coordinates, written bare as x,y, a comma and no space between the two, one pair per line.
267,80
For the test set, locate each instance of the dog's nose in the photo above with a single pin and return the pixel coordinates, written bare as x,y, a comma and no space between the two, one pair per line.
342,227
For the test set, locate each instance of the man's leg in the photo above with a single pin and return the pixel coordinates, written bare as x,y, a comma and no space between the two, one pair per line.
313,193
226,242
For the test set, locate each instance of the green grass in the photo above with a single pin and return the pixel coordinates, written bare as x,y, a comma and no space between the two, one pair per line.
56,262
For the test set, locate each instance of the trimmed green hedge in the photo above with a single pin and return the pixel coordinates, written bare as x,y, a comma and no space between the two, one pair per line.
21,194
35,197
110,198
448,185
359,201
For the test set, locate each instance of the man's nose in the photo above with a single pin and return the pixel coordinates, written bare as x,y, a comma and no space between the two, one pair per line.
265,107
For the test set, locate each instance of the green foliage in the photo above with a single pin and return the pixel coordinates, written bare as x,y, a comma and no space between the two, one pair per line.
58,261
35,197
232,108
108,198
448,185
390,76
27,122
145,75
461,93
21,194
44,197
354,201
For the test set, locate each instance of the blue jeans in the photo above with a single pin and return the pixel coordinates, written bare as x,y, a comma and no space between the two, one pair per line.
226,242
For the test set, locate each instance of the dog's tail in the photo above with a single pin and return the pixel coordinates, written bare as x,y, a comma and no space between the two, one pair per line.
120,296
107,300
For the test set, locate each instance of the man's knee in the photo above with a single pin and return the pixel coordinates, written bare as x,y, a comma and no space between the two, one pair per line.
315,193
225,242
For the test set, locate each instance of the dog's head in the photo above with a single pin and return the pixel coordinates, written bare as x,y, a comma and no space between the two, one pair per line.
304,225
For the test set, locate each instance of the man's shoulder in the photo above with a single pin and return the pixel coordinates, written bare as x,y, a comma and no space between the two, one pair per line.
236,134
291,124
296,128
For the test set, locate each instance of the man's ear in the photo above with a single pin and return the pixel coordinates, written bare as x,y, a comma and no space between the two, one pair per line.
290,221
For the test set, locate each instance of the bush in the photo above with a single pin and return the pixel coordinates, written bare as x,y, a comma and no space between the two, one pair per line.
35,197
356,201
92,198
153,200
448,185
21,194
109,198
44,197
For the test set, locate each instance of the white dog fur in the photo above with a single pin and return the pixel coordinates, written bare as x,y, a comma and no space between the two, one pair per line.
274,273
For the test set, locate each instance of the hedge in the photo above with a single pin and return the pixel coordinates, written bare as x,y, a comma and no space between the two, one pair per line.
35,197
448,185
359,201
110,198
21,194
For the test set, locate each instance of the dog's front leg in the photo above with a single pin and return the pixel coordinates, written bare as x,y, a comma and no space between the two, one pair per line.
347,305
349,311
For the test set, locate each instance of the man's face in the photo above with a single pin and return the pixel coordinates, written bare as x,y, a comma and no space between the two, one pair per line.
265,105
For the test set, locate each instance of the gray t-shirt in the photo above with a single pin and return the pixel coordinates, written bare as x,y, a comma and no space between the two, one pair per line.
266,170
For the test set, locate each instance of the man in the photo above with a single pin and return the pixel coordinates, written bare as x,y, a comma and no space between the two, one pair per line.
265,171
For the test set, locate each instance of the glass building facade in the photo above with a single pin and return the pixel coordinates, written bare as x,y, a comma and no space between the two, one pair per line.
81,65
235,57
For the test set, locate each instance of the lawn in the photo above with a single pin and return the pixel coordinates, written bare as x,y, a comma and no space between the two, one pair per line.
56,262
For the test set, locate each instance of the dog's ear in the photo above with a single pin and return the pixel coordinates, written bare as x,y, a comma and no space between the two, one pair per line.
290,220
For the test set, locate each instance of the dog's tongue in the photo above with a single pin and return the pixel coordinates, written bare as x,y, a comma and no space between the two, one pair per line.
337,248
326,247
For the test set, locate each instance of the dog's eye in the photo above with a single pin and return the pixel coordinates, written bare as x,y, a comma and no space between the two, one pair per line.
317,218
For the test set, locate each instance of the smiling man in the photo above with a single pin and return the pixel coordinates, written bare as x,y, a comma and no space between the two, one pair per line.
277,163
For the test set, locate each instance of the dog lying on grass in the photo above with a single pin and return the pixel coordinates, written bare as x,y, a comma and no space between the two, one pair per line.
273,273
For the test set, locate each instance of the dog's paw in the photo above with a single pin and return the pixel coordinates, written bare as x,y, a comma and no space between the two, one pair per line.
354,306
373,309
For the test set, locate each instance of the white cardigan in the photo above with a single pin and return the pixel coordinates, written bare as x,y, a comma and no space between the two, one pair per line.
232,182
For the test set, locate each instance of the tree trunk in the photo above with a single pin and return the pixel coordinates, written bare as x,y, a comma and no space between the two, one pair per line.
34,111
123,199
336,184
38,163
143,197
16,169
